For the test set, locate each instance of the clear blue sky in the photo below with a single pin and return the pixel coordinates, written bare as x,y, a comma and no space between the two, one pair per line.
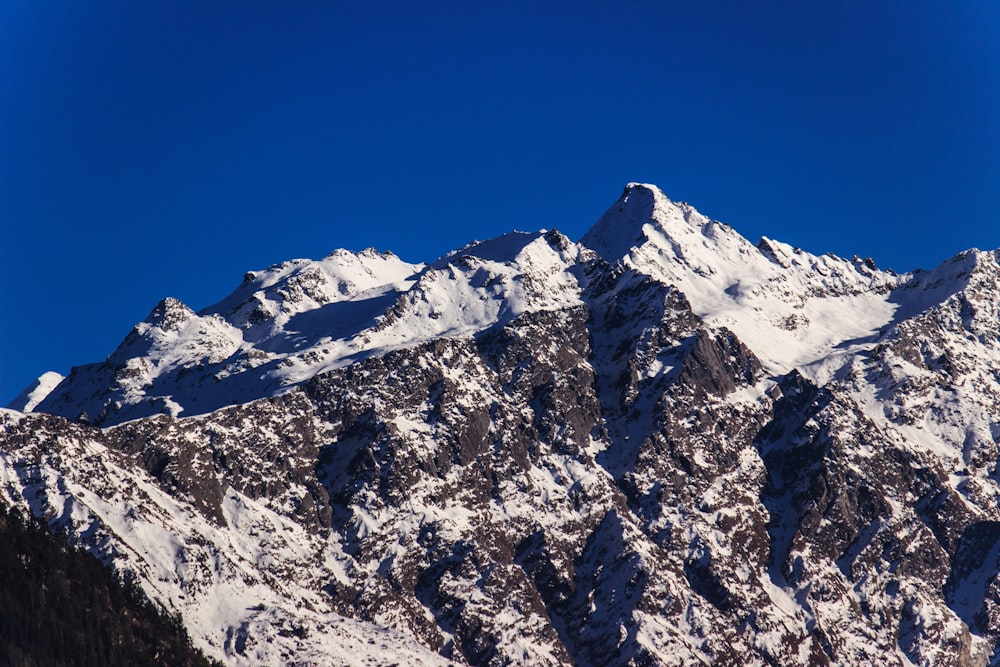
155,148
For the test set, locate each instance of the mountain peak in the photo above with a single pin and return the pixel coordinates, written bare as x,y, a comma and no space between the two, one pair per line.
774,296
170,314
503,249
622,226
645,225
36,392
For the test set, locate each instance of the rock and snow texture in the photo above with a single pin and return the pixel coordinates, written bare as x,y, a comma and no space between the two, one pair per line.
662,444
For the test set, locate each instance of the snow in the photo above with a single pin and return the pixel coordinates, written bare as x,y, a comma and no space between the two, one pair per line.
835,320
791,308
292,321
795,310
214,575
36,392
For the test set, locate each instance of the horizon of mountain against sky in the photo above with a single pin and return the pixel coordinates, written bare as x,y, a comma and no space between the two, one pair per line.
163,149
662,444
293,320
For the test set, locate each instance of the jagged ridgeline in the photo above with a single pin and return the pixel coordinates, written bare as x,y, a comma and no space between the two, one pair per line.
658,445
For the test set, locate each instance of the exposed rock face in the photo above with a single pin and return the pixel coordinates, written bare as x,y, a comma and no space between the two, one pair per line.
663,445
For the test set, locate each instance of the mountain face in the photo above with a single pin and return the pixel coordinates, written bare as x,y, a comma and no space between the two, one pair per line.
660,445
61,607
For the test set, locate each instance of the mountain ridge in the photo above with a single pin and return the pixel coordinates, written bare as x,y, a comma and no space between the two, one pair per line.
685,449
268,317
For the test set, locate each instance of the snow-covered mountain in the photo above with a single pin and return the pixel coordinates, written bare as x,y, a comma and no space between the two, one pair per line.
661,444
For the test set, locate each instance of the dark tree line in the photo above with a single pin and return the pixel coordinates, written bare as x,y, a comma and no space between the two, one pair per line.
61,607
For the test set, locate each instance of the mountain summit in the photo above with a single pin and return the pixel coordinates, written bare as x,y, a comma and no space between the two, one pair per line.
661,444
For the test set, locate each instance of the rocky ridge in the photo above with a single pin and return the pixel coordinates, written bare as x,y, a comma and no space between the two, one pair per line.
662,444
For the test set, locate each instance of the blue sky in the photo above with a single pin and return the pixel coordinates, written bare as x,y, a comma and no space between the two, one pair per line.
152,149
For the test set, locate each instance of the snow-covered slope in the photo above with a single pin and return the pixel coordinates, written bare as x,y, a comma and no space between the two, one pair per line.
662,444
793,308
284,325
249,345
227,574
34,393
